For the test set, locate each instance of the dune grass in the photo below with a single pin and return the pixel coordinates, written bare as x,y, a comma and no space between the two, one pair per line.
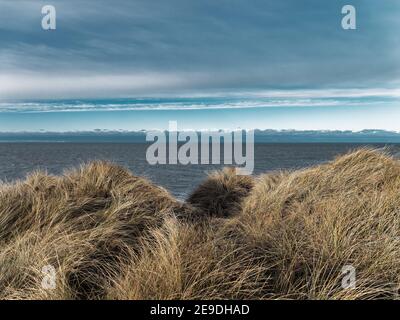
286,235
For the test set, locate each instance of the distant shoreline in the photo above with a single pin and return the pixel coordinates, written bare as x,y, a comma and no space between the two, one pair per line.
261,136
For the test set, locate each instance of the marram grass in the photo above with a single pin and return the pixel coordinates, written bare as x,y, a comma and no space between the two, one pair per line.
107,234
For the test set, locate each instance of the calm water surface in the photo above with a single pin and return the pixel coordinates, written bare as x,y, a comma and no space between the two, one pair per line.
18,159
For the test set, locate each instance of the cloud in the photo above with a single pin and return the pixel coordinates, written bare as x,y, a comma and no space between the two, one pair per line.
133,47
81,85
38,86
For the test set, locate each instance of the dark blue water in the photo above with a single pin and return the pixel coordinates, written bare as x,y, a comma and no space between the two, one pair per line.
18,159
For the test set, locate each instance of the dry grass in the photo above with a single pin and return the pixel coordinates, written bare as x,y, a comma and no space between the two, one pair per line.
111,235
312,223
191,262
86,224
221,194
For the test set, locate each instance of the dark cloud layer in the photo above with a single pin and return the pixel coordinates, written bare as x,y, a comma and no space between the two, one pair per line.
198,45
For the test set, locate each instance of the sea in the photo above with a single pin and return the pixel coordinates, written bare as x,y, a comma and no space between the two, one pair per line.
17,159
57,135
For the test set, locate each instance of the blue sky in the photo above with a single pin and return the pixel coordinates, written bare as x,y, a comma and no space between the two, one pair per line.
248,49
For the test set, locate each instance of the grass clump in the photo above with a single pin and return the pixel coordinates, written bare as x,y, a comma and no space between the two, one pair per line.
287,235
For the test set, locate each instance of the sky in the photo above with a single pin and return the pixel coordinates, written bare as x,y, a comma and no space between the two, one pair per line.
284,64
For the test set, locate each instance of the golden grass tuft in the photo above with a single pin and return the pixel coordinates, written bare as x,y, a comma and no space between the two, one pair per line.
221,194
84,224
285,235
315,222
188,261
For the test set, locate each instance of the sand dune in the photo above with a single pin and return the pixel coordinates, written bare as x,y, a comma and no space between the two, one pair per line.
287,235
